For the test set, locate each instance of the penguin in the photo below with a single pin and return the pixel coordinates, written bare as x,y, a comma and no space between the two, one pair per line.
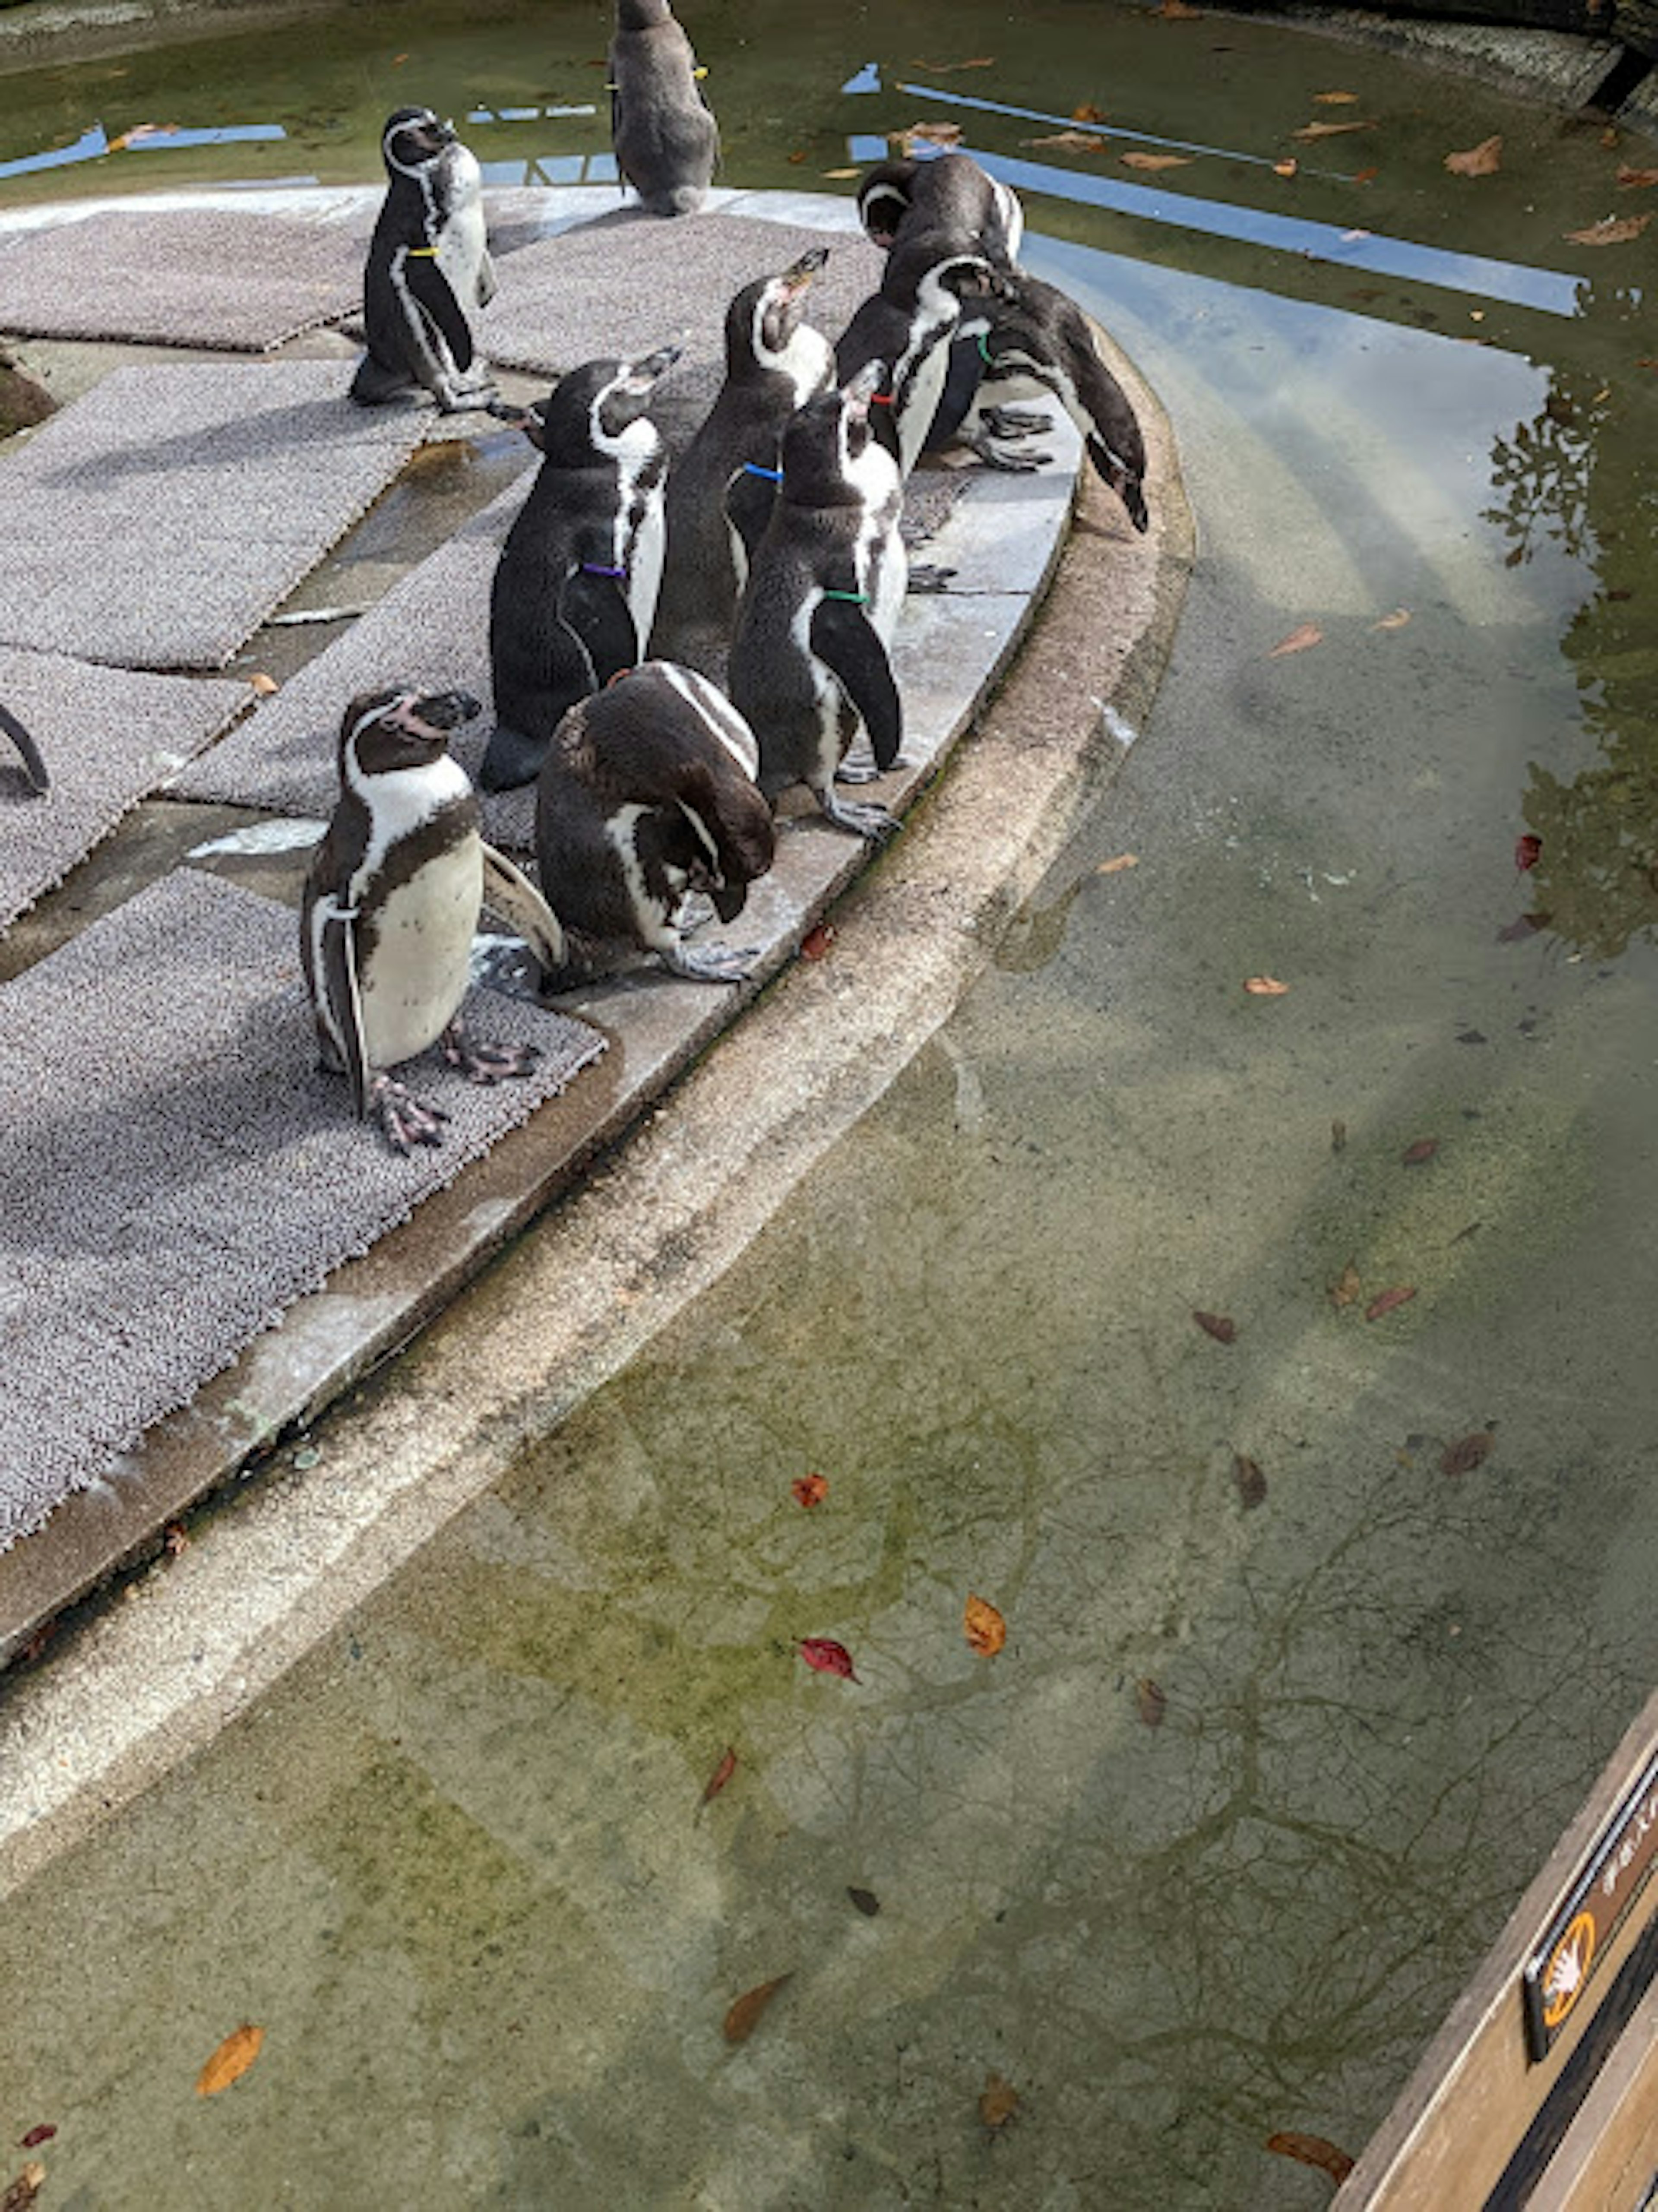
575,590
908,323
665,138
34,767
391,907
647,800
949,193
775,362
428,261
809,658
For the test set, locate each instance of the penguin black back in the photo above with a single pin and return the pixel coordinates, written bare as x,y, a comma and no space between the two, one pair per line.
429,263
666,140
908,325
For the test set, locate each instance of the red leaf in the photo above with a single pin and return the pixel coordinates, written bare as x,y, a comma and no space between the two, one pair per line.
827,1656
1527,852
1401,1294
1221,1326
721,1774
809,1490
1422,1149
1313,2150
817,942
35,2137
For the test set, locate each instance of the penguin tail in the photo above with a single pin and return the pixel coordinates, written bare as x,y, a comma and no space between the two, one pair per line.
683,199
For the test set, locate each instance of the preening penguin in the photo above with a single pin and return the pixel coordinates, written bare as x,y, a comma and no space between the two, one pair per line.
428,261
392,904
809,660
908,323
666,140
646,799
719,491
34,767
575,590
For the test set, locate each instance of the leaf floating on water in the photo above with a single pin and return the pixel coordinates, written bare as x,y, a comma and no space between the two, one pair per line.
1335,99
1085,112
1527,852
721,1774
22,2192
1076,141
1366,177
949,69
1150,1701
809,1490
999,2103
867,1902
1264,987
1251,1482
839,175
1401,1294
1345,1290
1115,867
231,2060
1614,230
1156,160
1422,1149
1176,11
1313,2150
1484,160
983,1627
823,1653
1287,167
936,134
1298,640
1468,1453
1635,180
1329,129
1221,1326
1397,620
797,158
744,2015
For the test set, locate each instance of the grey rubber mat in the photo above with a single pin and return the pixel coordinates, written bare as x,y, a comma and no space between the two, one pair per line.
157,521
177,1169
217,278
108,737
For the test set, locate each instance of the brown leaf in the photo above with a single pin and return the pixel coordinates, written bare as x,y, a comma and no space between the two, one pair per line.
1338,1136
1310,131
744,2015
263,684
809,1490
999,2102
1264,987
1221,1326
815,944
22,2192
1085,112
1613,231
1285,168
1345,1290
1422,1149
1150,1701
983,1627
1635,180
1397,620
948,69
1076,141
1175,11
721,1774
797,158
1401,1294
1307,633
1250,1481
1115,867
1467,1452
839,174
1156,160
867,1902
231,2060
936,134
1313,2150
1335,99
1484,160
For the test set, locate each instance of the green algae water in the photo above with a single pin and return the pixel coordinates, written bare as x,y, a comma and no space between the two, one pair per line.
1208,1849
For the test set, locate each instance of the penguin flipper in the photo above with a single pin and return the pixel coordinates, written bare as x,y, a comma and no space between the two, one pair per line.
339,1000
34,767
848,643
508,892
747,503
431,292
739,823
594,609
487,282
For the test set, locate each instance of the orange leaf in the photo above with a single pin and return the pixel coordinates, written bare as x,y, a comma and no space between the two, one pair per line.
815,944
809,1490
230,2061
1264,987
1156,160
1115,867
1329,129
1632,180
797,158
1285,168
721,1774
1297,640
999,2102
1085,112
263,684
1611,232
1397,620
983,1627
744,2015
1401,1294
1484,160
1312,2150
1345,1290
1365,176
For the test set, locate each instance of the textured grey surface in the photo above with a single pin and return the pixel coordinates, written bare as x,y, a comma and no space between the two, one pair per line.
194,276
108,737
184,1171
157,521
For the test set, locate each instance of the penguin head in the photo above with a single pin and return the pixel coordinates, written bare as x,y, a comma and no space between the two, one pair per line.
764,316
588,411
884,200
400,727
641,14
826,438
414,136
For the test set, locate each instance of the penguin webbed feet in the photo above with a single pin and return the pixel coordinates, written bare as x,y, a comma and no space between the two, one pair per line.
1021,464
858,766
710,964
872,821
459,395
929,578
404,1120
485,1063
1013,423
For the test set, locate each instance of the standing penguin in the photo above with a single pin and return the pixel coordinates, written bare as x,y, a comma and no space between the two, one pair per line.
949,194
428,261
809,658
390,909
666,140
575,590
910,323
773,364
647,799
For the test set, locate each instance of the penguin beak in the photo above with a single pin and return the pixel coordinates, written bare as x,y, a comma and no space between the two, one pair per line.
435,714
863,388
797,277
642,375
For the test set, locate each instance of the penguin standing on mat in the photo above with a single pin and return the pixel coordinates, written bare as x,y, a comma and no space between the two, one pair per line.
429,263
646,807
720,490
810,659
575,590
665,138
390,908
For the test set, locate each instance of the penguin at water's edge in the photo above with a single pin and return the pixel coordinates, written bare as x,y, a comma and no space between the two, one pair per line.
666,140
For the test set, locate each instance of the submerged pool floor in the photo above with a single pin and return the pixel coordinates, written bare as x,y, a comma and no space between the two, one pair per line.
1299,1685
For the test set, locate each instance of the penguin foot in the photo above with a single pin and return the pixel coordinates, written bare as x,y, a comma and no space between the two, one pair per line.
1013,464
695,912
485,1063
404,1120
1014,422
857,767
455,395
874,823
711,963
927,576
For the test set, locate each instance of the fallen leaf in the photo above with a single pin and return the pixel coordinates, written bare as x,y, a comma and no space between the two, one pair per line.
1345,1290
983,1627
1484,160
1150,1701
796,159
1076,141
721,1774
1467,1452
1221,1326
36,2137
744,2015
999,2103
1527,852
175,1538
1522,927
1298,640
809,1490
1424,1149
1087,112
1612,231
1313,2150
948,69
1175,11
397,59
1366,176
1397,620
23,2192
1264,987
1635,180
1115,867
817,942
1338,1136
1285,168
1401,1294
1609,137
936,134
1335,99
263,684
839,174
1250,1481
827,1657
1156,160
1329,129
231,2060
867,1902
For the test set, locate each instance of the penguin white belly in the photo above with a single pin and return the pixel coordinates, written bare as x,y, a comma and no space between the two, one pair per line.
926,389
418,973
828,699
463,239
882,563
640,538
645,567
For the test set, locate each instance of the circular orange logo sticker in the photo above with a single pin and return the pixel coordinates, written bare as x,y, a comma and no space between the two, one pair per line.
1568,1970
